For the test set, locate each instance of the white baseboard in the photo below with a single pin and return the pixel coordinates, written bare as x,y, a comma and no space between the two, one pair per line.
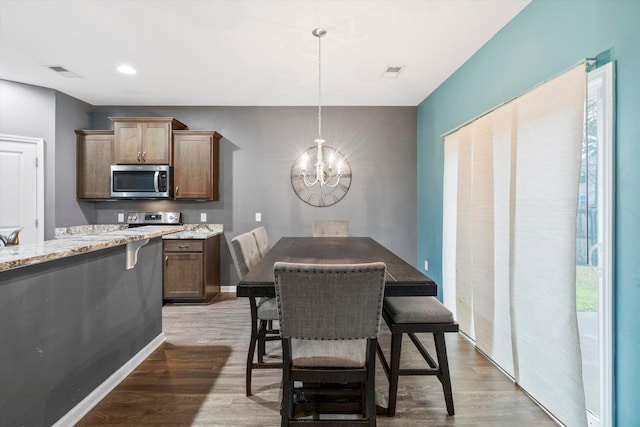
81,409
228,289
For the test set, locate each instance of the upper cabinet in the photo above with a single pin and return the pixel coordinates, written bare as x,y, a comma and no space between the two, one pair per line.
94,150
144,140
195,165
194,155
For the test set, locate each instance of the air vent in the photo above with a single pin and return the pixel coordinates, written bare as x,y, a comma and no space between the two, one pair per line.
63,71
392,72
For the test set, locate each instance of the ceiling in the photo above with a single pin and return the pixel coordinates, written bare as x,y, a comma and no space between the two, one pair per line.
244,52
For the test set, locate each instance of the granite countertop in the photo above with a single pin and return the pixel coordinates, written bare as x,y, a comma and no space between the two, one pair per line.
76,240
196,231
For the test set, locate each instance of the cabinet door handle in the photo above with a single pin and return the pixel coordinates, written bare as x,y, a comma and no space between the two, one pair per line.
166,260
144,156
138,156
177,187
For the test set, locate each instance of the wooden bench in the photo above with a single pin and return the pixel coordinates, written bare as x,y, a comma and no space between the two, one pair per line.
411,315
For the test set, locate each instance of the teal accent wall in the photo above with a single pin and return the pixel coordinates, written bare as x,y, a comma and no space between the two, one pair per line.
545,39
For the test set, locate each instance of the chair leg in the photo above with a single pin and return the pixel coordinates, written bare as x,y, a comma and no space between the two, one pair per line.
262,332
286,408
443,364
252,343
370,397
396,347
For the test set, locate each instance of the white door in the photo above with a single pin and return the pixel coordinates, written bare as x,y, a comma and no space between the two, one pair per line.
22,187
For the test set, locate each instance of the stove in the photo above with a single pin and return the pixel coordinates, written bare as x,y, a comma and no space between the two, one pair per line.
138,219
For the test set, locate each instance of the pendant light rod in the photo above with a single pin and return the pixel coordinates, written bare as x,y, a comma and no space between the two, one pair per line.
319,33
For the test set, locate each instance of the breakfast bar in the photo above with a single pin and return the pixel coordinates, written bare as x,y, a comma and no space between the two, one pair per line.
73,317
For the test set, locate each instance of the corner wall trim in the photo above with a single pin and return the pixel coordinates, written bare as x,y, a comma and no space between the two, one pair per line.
85,405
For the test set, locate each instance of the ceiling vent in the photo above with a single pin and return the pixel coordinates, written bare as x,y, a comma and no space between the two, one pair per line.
392,72
63,71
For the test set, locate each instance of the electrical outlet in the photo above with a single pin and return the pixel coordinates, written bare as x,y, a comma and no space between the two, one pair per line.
258,216
120,217
426,265
203,217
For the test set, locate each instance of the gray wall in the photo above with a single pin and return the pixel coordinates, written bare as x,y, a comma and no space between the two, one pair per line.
71,114
38,112
257,152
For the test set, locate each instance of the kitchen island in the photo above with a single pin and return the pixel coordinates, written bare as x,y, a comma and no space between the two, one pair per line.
77,314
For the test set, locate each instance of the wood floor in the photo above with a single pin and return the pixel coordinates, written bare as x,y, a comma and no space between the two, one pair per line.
196,378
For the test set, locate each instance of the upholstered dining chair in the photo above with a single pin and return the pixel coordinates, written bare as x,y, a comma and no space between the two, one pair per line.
330,229
262,240
329,322
263,310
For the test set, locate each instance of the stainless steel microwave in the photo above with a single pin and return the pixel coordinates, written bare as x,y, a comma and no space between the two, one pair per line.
141,182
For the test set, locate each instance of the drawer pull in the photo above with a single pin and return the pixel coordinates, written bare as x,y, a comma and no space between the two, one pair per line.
183,246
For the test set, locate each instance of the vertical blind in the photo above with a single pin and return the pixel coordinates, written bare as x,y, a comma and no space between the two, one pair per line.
511,183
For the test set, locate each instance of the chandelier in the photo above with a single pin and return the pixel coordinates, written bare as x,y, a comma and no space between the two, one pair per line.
321,175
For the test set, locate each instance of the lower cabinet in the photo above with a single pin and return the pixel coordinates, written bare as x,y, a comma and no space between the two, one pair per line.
191,270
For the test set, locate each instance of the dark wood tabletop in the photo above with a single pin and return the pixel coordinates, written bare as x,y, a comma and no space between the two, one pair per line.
402,278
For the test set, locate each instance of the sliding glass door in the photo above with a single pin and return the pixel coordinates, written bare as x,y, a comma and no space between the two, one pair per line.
594,248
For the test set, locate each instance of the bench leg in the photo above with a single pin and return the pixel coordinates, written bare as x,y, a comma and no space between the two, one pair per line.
443,374
396,347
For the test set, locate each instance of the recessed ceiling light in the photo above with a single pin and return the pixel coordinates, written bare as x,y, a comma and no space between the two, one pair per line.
391,72
126,69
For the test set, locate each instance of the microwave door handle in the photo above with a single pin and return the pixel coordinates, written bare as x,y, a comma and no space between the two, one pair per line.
156,178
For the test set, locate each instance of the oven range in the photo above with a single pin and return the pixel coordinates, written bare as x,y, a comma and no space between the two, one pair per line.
137,219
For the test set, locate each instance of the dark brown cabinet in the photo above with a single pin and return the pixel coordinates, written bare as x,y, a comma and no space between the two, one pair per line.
144,139
94,157
196,165
191,270
194,155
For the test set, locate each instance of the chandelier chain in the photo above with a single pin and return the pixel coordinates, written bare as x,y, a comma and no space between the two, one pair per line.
320,87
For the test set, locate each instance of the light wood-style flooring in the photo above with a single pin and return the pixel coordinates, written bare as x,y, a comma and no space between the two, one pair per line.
197,378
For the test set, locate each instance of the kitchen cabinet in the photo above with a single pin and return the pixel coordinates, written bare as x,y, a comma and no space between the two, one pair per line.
94,157
196,165
144,139
191,270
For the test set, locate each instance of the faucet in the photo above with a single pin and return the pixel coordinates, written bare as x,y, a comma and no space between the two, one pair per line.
12,238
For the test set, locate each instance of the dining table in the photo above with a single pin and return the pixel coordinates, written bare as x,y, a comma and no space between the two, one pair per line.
402,278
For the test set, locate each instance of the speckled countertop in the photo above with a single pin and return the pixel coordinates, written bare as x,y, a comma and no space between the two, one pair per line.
86,238
196,231
73,241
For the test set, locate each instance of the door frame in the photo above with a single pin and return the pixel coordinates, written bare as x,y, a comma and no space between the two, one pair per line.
606,195
39,143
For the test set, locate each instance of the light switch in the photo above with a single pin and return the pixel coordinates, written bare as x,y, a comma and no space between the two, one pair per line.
120,217
426,265
258,216
203,217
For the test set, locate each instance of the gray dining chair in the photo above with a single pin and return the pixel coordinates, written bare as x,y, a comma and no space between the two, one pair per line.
263,310
412,315
262,240
330,229
329,322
